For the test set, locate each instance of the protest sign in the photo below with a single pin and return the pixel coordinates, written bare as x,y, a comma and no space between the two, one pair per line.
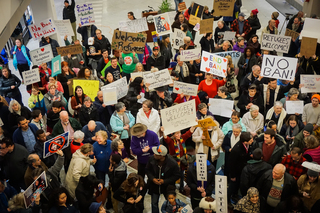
56,65
162,24
129,41
310,83
196,27
186,89
35,189
90,87
229,35
109,95
293,34
142,99
64,27
41,55
135,74
59,142
158,79
312,166
172,15
31,76
85,14
310,28
187,209
70,49
43,29
214,64
178,36
223,7
277,43
221,107
182,6
134,26
235,56
179,117
121,85
221,194
293,107
189,55
201,162
197,10
206,26
308,47
278,67
194,20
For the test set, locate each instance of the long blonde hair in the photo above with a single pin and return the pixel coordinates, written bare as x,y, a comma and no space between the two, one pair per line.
230,64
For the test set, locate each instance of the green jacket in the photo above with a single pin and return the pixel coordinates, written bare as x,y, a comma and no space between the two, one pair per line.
58,128
298,140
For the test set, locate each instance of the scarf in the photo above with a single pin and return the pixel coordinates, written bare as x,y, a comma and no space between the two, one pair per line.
234,140
89,109
245,205
24,52
185,70
177,149
281,118
268,95
294,130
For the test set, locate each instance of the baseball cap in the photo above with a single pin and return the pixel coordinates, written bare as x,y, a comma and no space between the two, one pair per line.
155,48
242,14
160,150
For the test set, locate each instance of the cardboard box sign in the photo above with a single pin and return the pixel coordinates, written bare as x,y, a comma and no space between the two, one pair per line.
223,7
129,42
70,49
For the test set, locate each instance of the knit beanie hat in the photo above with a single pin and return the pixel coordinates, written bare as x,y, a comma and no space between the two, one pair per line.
308,128
317,96
254,12
275,15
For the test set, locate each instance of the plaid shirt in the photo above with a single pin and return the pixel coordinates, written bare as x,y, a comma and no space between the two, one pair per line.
293,168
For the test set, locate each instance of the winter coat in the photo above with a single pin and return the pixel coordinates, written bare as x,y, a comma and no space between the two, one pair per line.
250,79
132,94
313,189
104,112
62,209
207,45
68,12
58,128
218,32
246,28
267,31
85,117
64,81
84,33
152,96
5,86
228,126
153,122
195,69
299,128
182,100
48,161
49,99
236,47
28,177
253,124
157,62
13,118
254,24
314,154
103,43
117,124
244,71
102,152
118,175
89,134
39,103
238,158
54,45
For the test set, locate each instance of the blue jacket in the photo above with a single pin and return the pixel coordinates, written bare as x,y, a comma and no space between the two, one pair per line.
167,207
4,56
117,124
20,57
228,126
102,154
5,196
88,135
6,83
17,135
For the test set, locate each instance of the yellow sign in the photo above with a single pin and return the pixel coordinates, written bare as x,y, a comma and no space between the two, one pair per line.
204,124
90,87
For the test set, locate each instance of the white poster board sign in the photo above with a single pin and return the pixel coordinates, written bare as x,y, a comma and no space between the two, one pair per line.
235,56
64,27
43,29
178,36
310,83
293,107
279,67
136,74
221,107
134,26
158,79
162,24
41,55
311,29
121,85
185,88
190,55
179,117
214,64
221,194
109,95
187,209
201,162
85,14
278,43
312,166
31,76
229,35
172,15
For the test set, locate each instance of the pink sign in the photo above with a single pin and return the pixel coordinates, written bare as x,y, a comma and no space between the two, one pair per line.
43,29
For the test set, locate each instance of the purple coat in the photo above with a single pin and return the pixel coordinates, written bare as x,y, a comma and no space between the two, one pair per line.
124,153
239,49
137,144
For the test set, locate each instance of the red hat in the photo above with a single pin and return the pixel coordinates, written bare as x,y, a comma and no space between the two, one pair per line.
255,12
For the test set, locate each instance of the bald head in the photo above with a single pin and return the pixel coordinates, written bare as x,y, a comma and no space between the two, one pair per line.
187,39
278,171
92,125
100,96
64,117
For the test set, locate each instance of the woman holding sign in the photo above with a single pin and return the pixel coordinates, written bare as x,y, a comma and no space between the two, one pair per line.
208,88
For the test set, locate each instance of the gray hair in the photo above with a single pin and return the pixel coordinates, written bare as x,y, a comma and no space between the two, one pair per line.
155,69
118,106
114,144
13,102
293,91
254,67
222,22
254,108
237,126
227,42
87,99
78,135
224,89
278,103
31,159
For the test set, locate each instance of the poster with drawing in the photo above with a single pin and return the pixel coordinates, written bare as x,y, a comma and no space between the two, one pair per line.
162,24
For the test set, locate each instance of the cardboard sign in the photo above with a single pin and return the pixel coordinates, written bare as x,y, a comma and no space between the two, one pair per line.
311,29
85,14
308,47
90,87
291,33
293,107
121,85
162,24
64,27
212,63
43,29
277,43
109,95
59,142
229,35
223,7
179,117
41,55
206,26
134,26
278,67
201,162
186,89
190,55
35,189
56,65
70,49
221,107
129,41
221,194
178,36
182,6
310,83
158,79
235,56
31,76
197,10
194,20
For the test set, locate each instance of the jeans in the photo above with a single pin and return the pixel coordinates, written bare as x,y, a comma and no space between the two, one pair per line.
155,203
101,175
141,169
177,3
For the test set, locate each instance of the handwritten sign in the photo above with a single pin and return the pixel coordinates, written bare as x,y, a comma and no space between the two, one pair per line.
70,49
308,47
311,29
162,24
85,14
190,55
121,85
312,166
278,67
59,142
109,95
179,117
273,42
134,26
310,83
221,107
235,56
194,20
212,63
293,107
56,65
41,55
206,26
64,27
90,87
43,29
186,89
291,33
31,76
201,162
178,36
182,6
223,7
221,194
129,41
228,35
158,79
35,189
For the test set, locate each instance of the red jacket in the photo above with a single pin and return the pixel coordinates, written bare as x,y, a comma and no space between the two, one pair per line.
246,27
44,72
182,100
170,143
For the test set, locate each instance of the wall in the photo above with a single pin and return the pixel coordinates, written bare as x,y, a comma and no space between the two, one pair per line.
312,7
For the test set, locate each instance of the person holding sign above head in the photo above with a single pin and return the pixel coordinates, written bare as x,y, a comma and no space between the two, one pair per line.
241,26
161,98
21,57
208,88
310,65
156,59
9,86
